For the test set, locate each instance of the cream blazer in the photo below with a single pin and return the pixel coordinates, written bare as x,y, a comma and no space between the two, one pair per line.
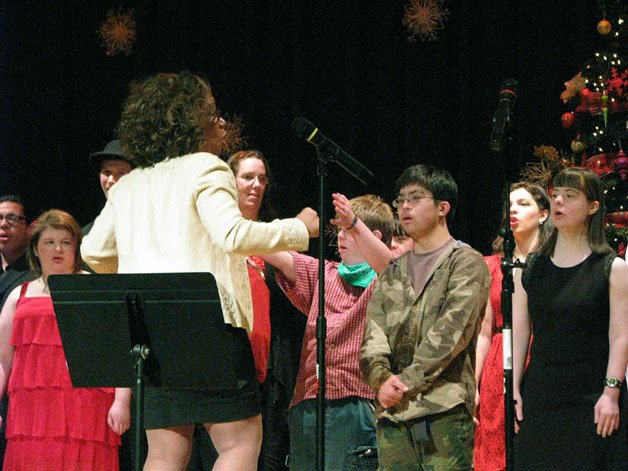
182,215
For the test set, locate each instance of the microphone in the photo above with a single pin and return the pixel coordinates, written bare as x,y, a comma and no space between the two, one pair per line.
507,98
303,128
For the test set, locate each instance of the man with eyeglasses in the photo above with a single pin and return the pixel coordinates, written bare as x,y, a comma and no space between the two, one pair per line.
14,237
14,269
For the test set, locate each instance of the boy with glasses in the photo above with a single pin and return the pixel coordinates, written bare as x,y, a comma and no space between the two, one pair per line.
422,323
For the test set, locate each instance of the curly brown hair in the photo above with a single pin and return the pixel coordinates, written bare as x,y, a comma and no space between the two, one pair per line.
166,116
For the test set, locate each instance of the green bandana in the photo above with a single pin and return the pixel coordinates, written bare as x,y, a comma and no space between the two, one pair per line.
357,275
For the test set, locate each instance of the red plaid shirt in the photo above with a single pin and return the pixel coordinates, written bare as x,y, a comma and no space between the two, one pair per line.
345,311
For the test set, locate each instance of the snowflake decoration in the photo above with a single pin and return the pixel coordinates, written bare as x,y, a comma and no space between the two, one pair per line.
118,32
424,18
618,82
234,140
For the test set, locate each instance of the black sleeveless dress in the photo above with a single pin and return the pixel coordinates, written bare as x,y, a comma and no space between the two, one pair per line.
569,310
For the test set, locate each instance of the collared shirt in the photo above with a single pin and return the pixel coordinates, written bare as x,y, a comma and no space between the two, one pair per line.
345,313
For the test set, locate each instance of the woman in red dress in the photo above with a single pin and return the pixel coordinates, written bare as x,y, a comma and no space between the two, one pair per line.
529,210
252,177
52,426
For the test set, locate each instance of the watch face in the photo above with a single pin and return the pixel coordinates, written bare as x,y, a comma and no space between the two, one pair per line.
612,382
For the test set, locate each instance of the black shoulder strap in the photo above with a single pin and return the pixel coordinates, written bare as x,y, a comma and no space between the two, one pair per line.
527,270
609,258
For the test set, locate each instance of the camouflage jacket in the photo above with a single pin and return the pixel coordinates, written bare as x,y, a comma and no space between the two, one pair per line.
428,339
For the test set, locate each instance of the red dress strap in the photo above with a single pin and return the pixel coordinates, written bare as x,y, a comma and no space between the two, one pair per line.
23,289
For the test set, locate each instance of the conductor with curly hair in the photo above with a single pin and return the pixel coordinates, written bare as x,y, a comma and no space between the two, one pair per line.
177,211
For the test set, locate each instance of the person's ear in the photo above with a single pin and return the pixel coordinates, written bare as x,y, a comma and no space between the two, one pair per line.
378,233
443,208
594,206
544,216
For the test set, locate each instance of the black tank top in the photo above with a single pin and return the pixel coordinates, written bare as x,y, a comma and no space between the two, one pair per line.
569,310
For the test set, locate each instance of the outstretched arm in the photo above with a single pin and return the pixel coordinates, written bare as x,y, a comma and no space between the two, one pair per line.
283,262
374,251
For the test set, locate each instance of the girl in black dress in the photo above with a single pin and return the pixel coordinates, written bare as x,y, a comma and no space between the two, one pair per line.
571,402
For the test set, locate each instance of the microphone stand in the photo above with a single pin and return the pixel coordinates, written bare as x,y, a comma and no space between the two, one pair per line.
359,172
501,121
507,266
321,322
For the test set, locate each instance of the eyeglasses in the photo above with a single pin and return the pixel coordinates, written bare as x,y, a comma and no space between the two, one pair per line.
262,179
413,200
12,219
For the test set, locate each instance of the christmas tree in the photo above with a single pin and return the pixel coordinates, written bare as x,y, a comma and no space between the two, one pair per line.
597,120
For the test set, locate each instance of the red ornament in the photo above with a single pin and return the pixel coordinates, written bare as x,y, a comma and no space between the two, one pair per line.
567,119
604,27
621,165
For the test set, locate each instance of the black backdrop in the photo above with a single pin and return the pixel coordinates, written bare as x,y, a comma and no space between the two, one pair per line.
346,65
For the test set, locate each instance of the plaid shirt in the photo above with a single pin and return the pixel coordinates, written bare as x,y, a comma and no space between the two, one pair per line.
345,312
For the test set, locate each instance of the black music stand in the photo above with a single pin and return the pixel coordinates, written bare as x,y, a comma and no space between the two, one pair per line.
145,330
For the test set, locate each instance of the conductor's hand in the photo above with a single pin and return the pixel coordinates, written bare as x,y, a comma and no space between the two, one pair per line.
391,391
310,219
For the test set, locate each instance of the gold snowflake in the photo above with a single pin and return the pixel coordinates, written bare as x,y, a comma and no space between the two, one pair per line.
118,32
424,18
234,140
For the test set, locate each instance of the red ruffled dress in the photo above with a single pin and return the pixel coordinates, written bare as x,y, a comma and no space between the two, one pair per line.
490,434
50,424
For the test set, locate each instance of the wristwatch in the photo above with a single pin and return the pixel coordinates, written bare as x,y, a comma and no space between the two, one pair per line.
612,382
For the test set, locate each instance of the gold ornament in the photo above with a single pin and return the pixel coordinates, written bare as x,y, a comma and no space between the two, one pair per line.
578,146
604,27
118,32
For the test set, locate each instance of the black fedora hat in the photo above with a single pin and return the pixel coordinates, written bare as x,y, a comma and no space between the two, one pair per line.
112,151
